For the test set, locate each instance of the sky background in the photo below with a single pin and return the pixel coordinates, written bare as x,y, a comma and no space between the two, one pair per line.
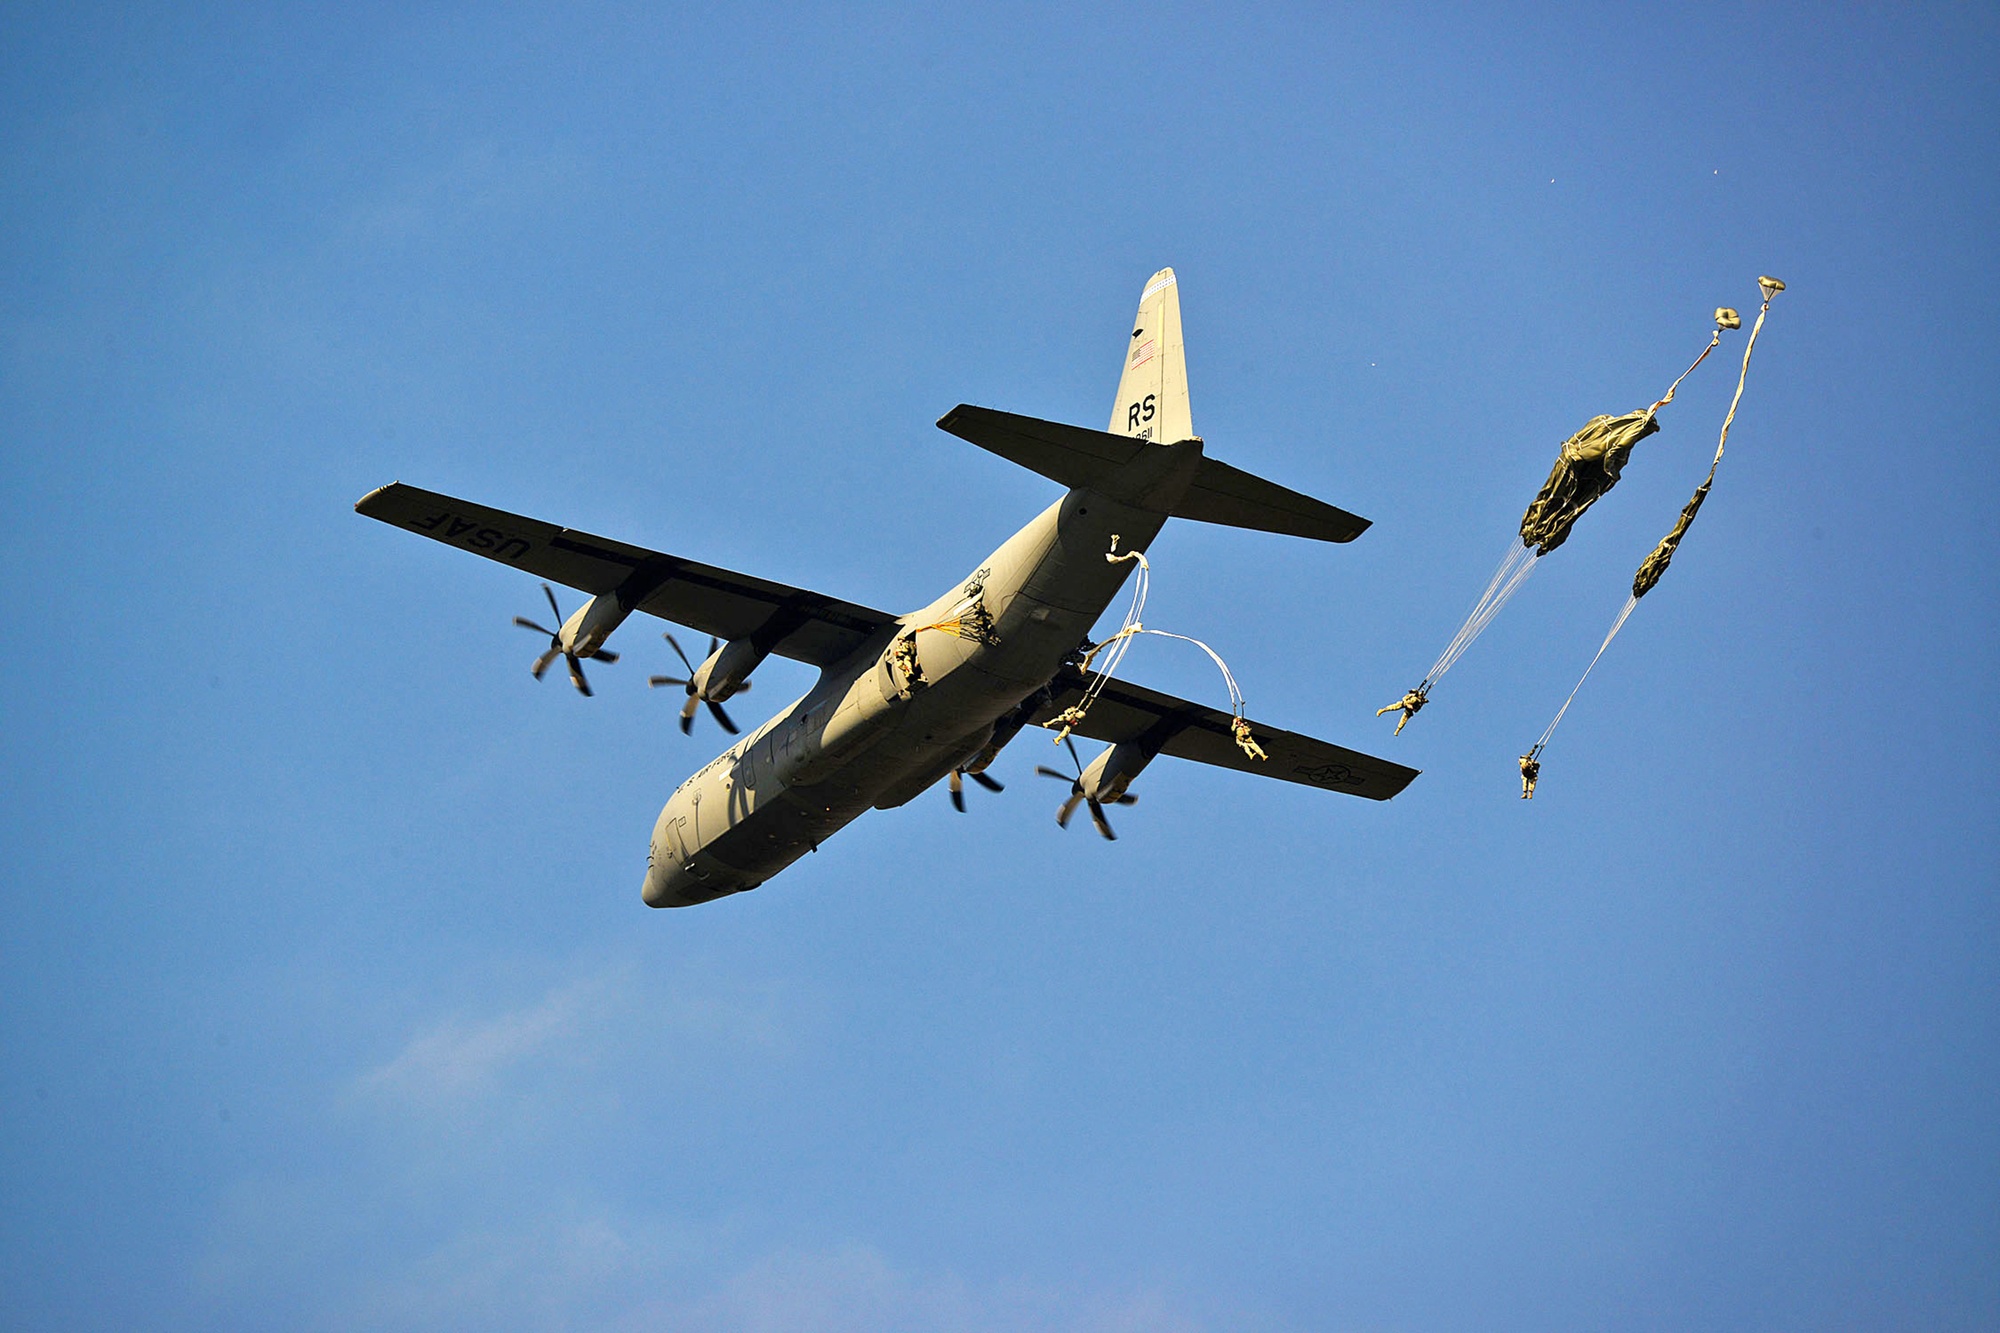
327,1000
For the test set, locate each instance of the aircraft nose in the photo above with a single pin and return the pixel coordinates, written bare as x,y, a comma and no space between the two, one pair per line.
657,891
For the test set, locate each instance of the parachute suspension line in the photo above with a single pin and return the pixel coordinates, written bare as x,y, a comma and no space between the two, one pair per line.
1120,643
1508,576
1515,565
1535,752
1714,340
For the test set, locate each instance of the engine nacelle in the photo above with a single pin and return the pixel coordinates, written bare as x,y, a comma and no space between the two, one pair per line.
585,632
727,669
1108,775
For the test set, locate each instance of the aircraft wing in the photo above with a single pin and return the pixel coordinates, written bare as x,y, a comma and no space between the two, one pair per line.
1185,730
805,626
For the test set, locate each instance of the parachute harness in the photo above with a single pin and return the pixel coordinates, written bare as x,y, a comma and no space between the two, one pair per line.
1655,565
1120,643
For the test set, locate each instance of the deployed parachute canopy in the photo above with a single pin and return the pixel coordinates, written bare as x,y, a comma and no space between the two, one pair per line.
1591,460
1586,469
1654,566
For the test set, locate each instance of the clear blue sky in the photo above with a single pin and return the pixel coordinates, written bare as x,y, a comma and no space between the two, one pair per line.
326,996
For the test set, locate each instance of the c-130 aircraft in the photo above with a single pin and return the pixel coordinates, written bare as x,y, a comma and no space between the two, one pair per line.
905,701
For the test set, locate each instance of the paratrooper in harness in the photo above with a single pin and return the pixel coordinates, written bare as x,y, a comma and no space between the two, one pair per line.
1410,704
1531,769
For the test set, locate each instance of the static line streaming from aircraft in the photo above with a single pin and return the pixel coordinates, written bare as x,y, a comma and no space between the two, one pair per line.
903,702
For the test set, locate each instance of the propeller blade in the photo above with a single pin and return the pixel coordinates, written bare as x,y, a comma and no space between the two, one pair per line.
1074,758
542,662
657,681
576,675
550,593
1068,809
957,792
605,655
674,644
687,715
990,784
722,717
526,623
1128,799
1103,824
744,688
1048,772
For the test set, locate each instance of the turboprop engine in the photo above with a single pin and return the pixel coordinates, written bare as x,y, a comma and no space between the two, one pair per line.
1102,783
580,636
723,673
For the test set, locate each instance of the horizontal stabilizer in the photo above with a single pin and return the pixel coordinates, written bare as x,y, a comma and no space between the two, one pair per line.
1075,457
1238,499
1071,456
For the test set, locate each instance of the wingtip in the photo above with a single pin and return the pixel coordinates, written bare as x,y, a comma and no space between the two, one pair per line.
1403,786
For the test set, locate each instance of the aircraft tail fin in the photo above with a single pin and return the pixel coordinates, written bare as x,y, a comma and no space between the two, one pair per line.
1152,407
1152,401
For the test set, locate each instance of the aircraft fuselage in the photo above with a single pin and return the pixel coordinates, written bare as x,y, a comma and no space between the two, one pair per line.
874,733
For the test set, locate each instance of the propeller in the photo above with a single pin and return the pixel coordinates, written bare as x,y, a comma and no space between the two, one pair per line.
1077,793
556,648
693,696
958,777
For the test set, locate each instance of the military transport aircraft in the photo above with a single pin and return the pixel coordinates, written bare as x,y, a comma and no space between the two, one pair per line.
905,701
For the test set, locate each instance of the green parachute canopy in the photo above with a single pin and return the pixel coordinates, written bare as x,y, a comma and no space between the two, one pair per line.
1654,566
1586,469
